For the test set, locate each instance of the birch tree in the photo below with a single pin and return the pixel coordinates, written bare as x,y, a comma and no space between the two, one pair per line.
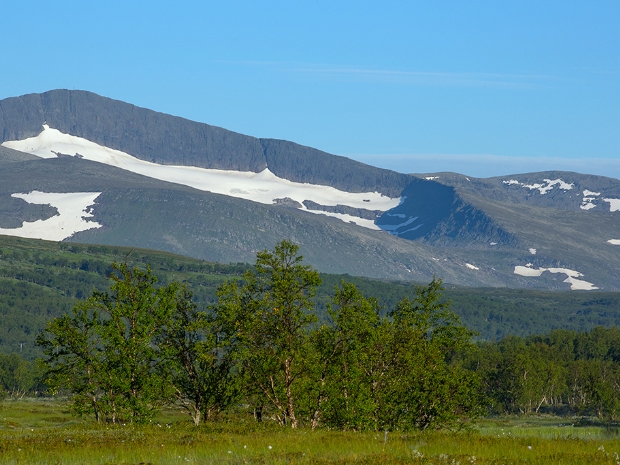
271,315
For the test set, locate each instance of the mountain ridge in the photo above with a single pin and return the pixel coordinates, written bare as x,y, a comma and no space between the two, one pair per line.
166,139
553,230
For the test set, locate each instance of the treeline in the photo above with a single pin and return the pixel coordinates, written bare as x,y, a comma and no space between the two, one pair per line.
42,280
562,372
19,377
565,372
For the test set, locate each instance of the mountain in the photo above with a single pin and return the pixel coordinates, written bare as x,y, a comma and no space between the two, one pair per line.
78,167
168,140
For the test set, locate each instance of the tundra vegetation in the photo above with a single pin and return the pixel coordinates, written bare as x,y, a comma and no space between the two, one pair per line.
260,362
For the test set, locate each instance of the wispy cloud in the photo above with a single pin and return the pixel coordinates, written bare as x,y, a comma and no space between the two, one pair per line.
483,165
425,78
420,78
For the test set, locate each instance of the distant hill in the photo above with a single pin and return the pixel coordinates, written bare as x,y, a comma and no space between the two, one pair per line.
40,280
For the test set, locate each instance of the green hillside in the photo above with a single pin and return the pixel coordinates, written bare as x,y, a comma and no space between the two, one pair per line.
40,280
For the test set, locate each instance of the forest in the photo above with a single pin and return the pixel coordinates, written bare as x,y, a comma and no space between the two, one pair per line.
124,354
42,280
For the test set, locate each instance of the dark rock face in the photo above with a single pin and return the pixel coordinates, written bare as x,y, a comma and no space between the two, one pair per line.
437,213
166,139
14,212
143,133
305,164
287,202
359,212
9,155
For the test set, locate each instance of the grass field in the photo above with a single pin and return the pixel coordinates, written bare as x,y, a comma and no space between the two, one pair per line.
44,432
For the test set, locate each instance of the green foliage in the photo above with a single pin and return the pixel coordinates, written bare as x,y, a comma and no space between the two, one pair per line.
360,371
352,347
399,372
434,389
279,342
198,360
104,353
42,280
18,377
270,316
559,370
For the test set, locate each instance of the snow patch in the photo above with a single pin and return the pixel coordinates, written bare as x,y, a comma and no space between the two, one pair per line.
431,178
532,251
528,271
614,204
471,267
72,211
400,233
589,197
587,203
571,276
544,187
366,223
392,227
562,185
261,187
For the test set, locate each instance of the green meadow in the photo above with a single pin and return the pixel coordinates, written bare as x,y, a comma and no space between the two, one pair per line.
416,368
43,431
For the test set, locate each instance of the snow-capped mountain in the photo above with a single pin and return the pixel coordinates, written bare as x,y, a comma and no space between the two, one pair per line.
75,166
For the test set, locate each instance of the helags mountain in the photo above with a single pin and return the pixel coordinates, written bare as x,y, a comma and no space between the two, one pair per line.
75,166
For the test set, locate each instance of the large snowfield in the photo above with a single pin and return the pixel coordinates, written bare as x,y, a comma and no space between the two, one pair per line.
571,276
72,212
263,187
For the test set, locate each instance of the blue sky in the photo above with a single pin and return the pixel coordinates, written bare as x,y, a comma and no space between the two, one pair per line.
481,87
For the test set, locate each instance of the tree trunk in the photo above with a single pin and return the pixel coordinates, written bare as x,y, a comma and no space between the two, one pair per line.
290,408
196,417
258,413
